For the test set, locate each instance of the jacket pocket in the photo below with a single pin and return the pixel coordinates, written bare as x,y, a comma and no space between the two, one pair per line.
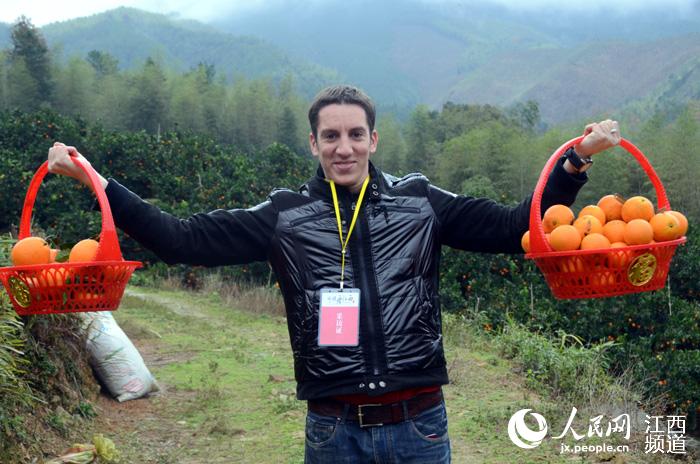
314,217
405,209
384,209
427,306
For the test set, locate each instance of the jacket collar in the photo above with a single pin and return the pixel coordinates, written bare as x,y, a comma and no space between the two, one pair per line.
318,187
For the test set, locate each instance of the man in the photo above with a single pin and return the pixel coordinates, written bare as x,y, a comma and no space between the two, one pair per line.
356,253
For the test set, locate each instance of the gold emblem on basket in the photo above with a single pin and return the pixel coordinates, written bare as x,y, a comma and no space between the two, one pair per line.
20,291
642,269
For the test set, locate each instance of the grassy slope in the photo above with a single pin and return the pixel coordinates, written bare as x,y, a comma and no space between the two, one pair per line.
229,392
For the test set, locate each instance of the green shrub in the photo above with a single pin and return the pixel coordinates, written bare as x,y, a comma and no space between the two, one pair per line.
557,366
14,389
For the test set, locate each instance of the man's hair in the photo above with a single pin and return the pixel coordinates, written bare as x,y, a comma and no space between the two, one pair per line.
341,95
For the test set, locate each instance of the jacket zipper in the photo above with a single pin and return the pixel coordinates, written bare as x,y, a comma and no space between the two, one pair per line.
370,298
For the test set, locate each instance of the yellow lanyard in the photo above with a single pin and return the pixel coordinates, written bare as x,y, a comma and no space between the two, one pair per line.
344,243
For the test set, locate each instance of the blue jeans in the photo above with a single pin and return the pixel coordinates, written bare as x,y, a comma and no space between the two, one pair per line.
421,440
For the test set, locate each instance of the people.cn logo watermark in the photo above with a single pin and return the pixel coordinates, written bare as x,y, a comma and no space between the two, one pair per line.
522,435
662,436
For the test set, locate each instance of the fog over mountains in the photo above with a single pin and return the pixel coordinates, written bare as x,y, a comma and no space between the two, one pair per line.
575,63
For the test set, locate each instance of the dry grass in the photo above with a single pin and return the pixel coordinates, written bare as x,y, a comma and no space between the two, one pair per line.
250,297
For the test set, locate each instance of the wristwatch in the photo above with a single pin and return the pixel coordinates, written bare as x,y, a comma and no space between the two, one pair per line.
581,164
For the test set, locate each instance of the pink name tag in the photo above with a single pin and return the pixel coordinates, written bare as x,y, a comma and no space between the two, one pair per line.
339,317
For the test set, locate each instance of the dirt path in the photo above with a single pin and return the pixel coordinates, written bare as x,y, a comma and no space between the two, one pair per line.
145,430
179,336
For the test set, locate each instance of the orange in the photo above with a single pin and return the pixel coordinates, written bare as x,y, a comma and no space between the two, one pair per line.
603,279
84,250
47,278
555,216
525,242
30,250
54,254
572,264
617,259
85,295
594,210
683,222
607,279
638,232
595,241
113,274
33,282
83,298
588,225
666,227
565,238
615,230
611,206
637,208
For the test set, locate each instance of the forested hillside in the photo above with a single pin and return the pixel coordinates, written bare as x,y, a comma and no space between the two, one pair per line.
597,78
132,36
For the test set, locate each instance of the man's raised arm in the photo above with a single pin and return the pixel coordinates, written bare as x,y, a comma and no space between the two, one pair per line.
220,237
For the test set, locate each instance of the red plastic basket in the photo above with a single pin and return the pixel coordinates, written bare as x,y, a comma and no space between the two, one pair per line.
600,273
69,287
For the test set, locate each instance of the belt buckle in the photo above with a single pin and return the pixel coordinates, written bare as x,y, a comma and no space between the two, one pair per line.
360,415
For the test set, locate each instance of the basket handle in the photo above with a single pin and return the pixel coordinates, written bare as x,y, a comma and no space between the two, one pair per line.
108,250
538,243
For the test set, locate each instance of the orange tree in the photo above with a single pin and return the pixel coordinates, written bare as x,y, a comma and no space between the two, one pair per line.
181,172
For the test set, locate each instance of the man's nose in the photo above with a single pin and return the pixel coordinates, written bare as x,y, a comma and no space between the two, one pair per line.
344,146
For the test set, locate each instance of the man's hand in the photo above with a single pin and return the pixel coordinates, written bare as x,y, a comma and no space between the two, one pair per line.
60,163
598,136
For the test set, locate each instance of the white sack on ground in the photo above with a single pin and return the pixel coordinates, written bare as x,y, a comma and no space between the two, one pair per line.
115,359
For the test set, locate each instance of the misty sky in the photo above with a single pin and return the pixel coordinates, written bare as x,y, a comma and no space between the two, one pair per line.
43,12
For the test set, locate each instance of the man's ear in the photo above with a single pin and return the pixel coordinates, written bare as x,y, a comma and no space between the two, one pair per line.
373,141
313,144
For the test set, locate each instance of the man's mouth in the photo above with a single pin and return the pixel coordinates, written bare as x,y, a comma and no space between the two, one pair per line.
343,165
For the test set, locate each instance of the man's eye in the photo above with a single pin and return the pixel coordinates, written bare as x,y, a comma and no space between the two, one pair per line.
358,135
330,136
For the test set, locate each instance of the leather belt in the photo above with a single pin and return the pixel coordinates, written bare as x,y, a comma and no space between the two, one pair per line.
374,415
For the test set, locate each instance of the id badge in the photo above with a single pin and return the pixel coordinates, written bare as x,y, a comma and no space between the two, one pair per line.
339,317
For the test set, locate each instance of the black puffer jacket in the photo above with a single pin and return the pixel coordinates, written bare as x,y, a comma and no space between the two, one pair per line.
393,259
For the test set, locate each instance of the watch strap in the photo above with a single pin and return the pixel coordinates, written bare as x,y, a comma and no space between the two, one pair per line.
581,164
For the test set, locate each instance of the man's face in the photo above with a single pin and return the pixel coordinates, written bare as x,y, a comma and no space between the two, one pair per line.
343,144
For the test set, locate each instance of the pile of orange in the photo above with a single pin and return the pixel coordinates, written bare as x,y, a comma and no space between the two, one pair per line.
612,223
35,250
